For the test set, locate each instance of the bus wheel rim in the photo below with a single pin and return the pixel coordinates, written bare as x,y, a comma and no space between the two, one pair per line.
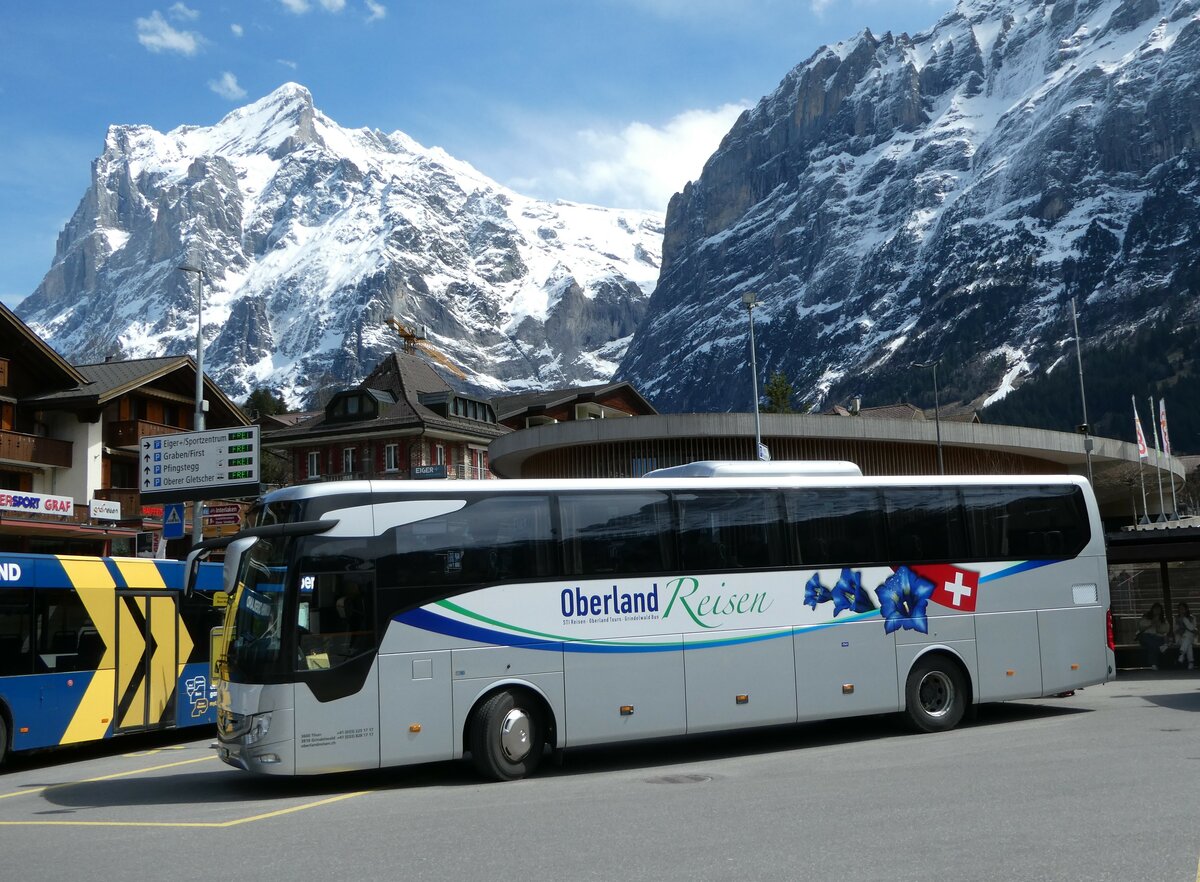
936,693
514,735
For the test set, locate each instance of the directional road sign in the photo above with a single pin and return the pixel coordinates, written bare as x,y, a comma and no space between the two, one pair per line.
199,465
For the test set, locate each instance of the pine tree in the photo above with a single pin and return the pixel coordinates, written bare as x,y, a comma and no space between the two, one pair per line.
779,394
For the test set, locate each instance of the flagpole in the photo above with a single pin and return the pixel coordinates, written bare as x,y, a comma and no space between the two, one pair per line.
1162,505
1142,454
1166,438
1087,440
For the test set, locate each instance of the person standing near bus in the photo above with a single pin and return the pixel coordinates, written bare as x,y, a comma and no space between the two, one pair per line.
1152,633
1185,635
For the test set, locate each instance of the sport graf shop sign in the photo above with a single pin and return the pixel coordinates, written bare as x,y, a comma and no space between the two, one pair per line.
37,503
199,465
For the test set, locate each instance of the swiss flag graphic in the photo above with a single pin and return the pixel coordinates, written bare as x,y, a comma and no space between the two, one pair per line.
953,587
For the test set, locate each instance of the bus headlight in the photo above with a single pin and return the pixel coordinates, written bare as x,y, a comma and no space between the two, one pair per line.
260,724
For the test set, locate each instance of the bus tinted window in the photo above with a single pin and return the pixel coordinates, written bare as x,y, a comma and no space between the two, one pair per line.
62,626
836,525
729,529
925,524
16,643
616,533
1025,522
502,538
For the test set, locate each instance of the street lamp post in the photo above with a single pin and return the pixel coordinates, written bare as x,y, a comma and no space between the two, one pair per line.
937,419
750,300
198,425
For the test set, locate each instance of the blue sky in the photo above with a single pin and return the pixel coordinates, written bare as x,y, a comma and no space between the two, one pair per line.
615,102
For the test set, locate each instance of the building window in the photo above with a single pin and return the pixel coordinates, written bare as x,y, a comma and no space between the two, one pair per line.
391,457
314,464
439,454
348,460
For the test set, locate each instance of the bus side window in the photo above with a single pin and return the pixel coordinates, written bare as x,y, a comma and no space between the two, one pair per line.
16,631
728,529
835,526
60,616
606,533
1016,523
335,620
925,524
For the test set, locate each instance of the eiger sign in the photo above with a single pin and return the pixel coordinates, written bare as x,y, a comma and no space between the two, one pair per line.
199,465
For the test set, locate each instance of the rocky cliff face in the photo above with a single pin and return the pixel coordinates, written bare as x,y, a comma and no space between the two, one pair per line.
311,236
899,199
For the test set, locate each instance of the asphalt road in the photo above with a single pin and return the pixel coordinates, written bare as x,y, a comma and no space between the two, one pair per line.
1104,785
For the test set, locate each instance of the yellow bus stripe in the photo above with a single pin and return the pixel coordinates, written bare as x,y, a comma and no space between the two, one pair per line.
95,711
140,573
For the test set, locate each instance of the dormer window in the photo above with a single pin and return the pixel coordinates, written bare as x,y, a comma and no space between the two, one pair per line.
356,404
448,404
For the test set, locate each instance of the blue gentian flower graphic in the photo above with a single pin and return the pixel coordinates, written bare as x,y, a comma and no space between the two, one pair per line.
848,594
815,592
903,599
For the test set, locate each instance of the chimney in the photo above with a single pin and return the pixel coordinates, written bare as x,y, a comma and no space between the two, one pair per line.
855,405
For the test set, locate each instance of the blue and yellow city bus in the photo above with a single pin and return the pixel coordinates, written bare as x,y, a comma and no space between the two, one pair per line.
93,647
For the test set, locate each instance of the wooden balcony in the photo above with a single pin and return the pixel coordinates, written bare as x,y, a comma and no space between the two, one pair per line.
125,433
34,449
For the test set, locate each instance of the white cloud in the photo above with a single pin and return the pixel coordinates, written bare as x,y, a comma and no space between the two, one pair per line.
299,7
180,12
237,29
377,10
158,36
227,87
287,63
819,6
638,166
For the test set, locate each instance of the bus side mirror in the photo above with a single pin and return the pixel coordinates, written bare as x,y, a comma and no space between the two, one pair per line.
194,558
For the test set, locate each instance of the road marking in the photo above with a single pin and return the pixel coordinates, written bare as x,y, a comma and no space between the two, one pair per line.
105,777
155,750
209,824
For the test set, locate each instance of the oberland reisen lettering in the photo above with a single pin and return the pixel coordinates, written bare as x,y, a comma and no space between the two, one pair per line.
576,603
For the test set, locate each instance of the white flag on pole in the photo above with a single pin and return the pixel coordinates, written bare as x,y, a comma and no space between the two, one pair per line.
1162,425
1143,453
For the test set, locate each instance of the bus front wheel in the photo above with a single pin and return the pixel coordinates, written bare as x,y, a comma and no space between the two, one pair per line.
935,696
3,739
506,736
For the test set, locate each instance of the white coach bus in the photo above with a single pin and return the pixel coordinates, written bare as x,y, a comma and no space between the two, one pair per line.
378,623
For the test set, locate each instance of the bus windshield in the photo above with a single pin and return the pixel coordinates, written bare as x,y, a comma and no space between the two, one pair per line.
254,632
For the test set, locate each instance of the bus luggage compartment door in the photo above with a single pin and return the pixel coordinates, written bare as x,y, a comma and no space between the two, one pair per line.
147,660
415,714
747,679
634,688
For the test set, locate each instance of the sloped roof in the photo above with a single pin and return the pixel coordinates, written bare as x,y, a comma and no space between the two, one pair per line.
112,379
404,377
508,406
18,341
956,412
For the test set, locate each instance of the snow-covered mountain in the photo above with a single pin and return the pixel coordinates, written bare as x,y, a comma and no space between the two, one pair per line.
312,236
899,199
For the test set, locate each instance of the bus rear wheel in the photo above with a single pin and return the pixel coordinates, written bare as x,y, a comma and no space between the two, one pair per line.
935,696
3,739
506,736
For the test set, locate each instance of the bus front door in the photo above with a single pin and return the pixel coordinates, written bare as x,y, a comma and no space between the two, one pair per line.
147,664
